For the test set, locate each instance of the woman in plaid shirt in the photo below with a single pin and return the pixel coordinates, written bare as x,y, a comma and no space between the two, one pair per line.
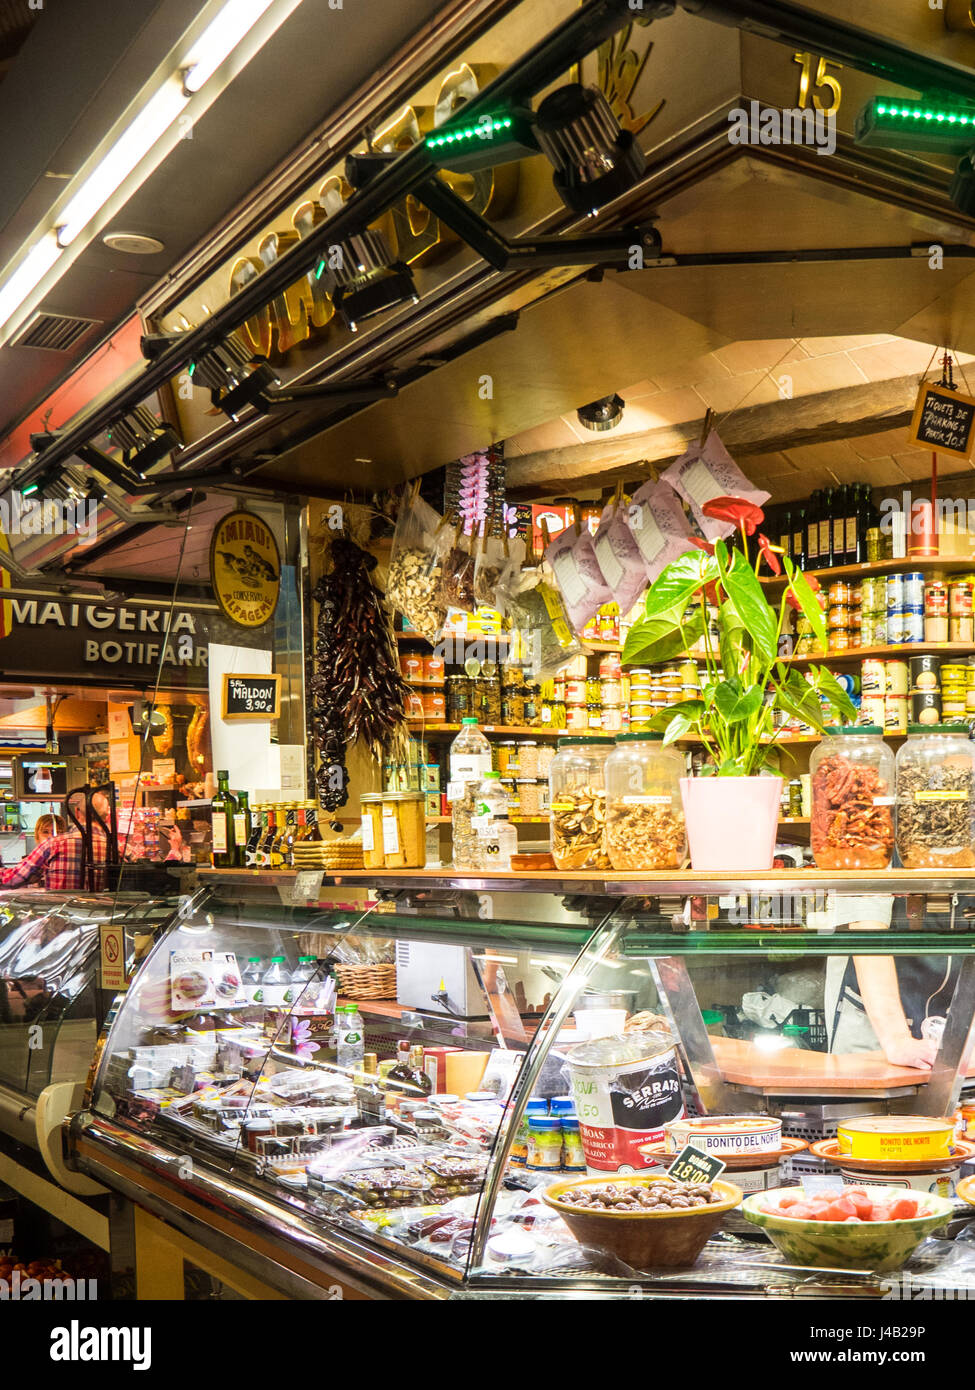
59,862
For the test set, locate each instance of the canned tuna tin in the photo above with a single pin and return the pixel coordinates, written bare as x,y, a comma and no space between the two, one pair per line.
926,707
913,588
896,677
895,592
873,677
895,714
925,672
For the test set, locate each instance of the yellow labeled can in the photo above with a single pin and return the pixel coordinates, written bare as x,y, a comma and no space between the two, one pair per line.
893,1138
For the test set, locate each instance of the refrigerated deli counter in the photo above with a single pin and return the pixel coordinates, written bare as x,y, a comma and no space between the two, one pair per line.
562,1020
52,1008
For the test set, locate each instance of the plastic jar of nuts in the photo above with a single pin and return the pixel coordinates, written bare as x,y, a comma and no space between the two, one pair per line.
644,812
578,802
935,788
852,799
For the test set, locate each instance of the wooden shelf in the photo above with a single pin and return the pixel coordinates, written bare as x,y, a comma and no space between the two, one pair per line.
904,649
948,564
508,731
429,685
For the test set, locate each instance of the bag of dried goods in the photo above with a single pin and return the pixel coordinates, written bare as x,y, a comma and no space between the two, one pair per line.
619,557
457,564
658,526
490,563
707,471
414,580
577,573
509,580
544,634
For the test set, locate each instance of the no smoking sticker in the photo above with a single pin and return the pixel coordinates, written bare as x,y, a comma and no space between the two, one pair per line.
112,956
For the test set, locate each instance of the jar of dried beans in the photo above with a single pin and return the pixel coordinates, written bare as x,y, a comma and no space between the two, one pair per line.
936,797
852,799
644,812
578,802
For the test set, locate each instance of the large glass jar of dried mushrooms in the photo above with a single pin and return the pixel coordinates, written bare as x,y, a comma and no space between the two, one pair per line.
935,789
577,783
644,812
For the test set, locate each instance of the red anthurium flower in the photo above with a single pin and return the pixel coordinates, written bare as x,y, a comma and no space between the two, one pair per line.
701,544
741,513
770,553
813,583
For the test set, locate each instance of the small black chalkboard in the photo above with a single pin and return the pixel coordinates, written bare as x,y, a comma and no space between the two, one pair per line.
251,697
943,420
692,1165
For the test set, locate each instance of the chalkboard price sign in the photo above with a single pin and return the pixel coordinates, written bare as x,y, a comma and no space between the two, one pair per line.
943,420
251,697
692,1165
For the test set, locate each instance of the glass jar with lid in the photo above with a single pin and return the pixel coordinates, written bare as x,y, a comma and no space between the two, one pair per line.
852,771
935,789
644,812
371,809
577,787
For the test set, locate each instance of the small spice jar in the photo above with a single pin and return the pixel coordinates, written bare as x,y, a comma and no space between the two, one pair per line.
935,788
507,755
644,811
544,1148
370,808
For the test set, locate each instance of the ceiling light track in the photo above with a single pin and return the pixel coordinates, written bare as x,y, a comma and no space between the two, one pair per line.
384,181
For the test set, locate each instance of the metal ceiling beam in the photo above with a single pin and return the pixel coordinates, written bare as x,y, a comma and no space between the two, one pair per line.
589,26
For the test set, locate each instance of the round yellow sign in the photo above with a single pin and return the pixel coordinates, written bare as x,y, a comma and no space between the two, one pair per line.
245,568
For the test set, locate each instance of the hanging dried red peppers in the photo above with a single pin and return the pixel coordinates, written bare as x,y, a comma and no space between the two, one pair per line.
357,689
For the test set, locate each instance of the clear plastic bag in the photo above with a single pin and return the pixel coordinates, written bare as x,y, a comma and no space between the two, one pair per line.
415,573
619,556
577,573
546,639
457,563
509,579
491,561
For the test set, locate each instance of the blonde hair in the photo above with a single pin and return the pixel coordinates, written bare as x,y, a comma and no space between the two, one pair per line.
46,826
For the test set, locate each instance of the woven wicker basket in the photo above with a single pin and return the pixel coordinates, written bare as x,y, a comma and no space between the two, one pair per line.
367,981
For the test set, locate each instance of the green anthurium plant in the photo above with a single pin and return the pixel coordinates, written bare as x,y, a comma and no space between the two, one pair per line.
747,680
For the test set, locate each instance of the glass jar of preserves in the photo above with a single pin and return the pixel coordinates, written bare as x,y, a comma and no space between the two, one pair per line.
594,716
458,699
371,809
644,811
528,758
852,826
513,706
935,789
577,787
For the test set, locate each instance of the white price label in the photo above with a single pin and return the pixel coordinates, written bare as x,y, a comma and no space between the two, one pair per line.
390,835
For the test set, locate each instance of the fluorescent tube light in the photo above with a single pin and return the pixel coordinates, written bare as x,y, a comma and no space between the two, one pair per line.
219,39
28,275
132,146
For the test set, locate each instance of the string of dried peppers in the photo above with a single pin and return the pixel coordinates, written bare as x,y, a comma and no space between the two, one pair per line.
357,689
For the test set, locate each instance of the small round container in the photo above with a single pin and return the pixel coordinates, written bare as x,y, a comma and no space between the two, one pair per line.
872,711
839,617
961,629
852,824
544,1147
612,719
873,677
611,691
411,665
433,668
575,691
935,789
528,758
914,589
507,755
610,666
641,716
936,629
895,1137
895,714
839,592
434,705
926,707
594,717
576,718
529,800
960,598
936,599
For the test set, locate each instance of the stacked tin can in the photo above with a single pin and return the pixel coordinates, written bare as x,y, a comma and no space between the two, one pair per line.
653,688
905,608
884,698
873,612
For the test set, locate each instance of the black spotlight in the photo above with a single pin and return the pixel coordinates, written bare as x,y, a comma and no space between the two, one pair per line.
143,440
594,158
604,414
234,377
363,279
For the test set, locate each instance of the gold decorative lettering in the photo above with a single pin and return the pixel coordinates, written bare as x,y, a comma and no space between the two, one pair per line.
256,332
288,317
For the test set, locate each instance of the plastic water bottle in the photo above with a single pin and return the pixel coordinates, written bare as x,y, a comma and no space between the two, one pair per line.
275,984
350,1038
251,979
495,838
468,762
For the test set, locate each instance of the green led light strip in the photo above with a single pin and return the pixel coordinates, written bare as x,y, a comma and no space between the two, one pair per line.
481,131
919,112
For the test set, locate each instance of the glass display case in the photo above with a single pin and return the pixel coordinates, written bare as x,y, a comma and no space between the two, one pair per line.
377,1090
51,1003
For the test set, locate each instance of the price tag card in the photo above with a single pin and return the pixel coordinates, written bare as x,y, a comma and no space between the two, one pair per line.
693,1165
307,886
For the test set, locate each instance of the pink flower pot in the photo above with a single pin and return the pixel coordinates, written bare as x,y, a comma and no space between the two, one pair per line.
731,821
